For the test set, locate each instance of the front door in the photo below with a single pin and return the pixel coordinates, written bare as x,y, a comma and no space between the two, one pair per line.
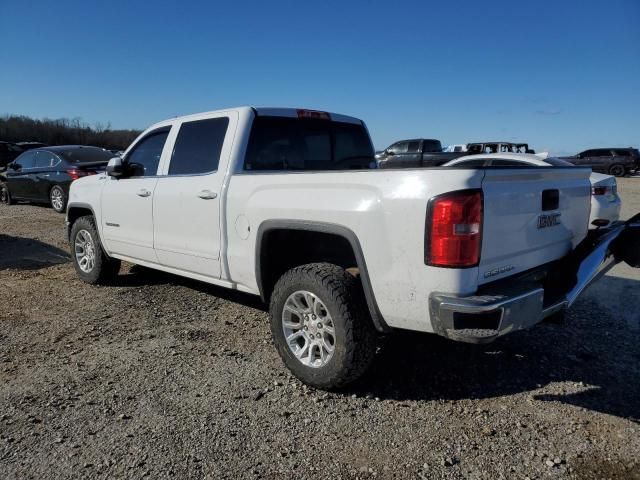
186,204
19,179
127,202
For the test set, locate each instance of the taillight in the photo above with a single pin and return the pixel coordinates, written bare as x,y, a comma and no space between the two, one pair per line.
75,174
454,229
600,190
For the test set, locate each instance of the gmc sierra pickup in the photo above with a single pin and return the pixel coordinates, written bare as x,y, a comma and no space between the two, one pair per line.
287,204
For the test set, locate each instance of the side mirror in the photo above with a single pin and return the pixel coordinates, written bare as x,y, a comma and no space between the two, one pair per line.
115,167
389,152
14,166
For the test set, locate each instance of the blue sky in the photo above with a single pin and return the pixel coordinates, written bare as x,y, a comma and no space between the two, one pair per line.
562,75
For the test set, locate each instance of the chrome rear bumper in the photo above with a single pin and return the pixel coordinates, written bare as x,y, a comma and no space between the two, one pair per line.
487,316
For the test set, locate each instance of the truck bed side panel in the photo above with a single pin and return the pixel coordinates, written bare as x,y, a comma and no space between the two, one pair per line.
384,209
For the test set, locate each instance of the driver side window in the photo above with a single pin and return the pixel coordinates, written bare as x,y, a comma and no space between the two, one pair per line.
143,160
26,160
400,147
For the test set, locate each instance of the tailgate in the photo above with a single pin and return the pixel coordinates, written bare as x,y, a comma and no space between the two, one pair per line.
532,216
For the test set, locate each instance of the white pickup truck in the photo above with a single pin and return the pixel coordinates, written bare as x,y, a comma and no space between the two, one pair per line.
287,204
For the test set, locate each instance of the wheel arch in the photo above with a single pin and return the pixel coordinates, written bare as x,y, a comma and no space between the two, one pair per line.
265,279
76,210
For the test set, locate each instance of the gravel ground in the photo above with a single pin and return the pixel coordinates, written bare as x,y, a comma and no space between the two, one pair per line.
160,376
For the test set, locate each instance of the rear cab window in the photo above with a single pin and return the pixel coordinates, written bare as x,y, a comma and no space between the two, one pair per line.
307,144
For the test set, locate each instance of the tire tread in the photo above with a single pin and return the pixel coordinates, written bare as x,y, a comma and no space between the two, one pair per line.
346,295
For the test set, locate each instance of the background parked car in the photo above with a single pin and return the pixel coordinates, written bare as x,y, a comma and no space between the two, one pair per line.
419,152
605,201
614,161
8,153
44,174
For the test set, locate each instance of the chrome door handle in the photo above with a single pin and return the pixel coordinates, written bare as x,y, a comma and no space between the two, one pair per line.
207,194
143,192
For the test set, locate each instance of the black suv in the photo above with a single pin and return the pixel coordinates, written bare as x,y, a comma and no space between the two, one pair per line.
614,161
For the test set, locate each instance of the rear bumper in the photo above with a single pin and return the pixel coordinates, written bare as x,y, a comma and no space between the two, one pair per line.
604,209
495,312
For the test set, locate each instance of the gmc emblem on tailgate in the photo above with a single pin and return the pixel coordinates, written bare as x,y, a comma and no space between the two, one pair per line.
551,220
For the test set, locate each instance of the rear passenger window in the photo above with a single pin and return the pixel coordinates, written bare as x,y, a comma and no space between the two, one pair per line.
413,147
198,146
623,153
145,156
45,160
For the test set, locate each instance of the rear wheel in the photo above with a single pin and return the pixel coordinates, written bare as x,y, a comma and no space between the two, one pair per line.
58,199
617,170
92,264
320,325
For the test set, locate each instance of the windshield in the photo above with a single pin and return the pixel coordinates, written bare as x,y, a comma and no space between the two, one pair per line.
284,143
85,155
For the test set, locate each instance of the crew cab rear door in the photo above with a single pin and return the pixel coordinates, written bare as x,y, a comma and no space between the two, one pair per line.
186,205
532,216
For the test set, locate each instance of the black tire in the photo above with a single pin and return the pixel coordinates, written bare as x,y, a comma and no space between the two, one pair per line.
104,269
58,199
617,170
355,336
5,196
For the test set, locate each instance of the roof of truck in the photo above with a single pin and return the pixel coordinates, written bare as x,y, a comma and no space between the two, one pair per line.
272,112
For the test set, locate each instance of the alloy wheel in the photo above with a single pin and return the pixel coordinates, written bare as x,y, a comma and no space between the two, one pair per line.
308,329
85,251
57,198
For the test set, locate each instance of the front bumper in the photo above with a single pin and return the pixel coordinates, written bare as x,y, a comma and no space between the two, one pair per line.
506,308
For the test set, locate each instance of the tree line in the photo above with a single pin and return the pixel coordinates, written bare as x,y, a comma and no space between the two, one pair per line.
64,131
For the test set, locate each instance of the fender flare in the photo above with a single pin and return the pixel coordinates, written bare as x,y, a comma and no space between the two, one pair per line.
84,206
330,228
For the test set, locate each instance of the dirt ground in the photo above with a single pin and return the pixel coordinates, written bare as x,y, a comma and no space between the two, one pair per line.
163,377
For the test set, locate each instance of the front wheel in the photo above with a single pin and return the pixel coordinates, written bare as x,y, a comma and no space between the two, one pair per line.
92,264
617,170
320,325
58,199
